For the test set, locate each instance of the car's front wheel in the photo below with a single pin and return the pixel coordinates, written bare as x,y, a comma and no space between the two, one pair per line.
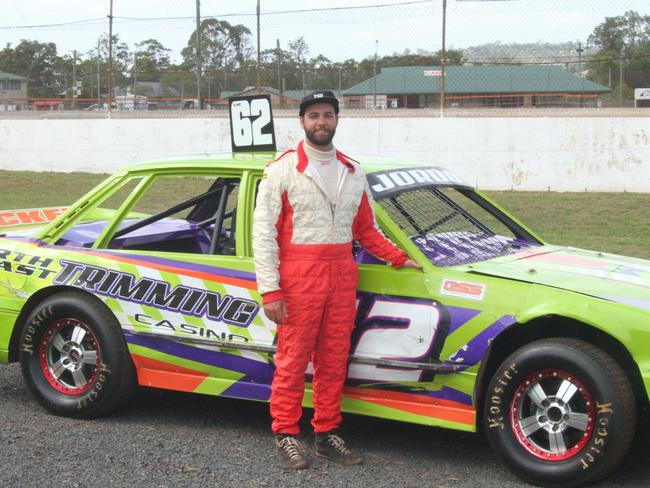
560,412
74,358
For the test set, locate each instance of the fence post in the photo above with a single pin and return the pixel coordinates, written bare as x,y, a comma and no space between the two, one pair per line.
199,61
258,78
110,61
442,58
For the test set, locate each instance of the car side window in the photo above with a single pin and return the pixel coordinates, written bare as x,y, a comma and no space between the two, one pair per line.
180,213
189,214
92,218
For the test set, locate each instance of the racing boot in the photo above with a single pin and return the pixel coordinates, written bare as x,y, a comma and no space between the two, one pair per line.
329,445
288,448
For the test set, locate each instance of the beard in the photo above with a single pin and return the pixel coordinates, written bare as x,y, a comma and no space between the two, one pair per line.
322,139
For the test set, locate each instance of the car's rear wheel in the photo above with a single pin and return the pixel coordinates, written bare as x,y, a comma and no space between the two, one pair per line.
560,412
74,358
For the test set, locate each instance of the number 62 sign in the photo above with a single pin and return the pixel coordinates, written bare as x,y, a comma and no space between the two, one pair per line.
251,123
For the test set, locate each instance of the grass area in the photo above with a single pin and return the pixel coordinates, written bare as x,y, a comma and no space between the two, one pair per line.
27,189
611,222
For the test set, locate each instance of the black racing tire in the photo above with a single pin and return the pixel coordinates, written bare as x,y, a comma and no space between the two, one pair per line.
74,357
560,413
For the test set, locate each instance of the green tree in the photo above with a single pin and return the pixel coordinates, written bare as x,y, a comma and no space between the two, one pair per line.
222,45
603,67
298,51
420,58
621,33
637,72
150,60
226,53
623,39
121,62
177,81
37,61
297,67
87,72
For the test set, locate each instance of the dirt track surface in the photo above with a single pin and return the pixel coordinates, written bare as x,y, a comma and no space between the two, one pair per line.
182,440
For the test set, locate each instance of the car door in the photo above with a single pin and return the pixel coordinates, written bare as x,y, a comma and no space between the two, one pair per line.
446,227
173,272
399,329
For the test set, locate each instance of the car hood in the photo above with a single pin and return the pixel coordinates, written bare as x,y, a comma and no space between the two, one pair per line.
611,277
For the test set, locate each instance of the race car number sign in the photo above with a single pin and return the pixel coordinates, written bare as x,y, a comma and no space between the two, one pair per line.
251,123
387,183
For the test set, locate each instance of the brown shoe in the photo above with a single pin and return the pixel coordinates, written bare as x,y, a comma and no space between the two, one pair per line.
330,446
287,448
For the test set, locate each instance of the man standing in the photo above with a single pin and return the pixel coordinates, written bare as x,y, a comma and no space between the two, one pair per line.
311,204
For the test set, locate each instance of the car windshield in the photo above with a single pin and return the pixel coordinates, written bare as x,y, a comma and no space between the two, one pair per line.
454,226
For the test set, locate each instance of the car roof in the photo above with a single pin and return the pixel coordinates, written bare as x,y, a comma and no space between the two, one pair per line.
257,161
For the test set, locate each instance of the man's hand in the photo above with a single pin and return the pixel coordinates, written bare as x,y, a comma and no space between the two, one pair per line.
412,264
276,311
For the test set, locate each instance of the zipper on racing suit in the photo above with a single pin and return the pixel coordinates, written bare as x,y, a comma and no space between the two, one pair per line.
338,195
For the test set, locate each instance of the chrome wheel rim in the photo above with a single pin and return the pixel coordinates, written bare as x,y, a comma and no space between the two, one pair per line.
552,415
70,357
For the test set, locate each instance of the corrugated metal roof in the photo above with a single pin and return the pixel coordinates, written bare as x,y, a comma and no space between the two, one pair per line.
11,76
504,79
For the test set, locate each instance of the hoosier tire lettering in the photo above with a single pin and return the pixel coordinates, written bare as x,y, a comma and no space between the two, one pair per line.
102,377
601,435
496,416
32,327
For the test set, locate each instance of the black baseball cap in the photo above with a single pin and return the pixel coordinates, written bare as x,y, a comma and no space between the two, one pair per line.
319,96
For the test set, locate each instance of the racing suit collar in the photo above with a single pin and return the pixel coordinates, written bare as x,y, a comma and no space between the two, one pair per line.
303,160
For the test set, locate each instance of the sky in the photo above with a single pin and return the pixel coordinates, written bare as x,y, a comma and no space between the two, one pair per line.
339,33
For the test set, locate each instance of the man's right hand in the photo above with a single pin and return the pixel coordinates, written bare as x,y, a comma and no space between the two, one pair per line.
276,311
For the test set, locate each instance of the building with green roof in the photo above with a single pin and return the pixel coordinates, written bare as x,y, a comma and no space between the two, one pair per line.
476,85
13,91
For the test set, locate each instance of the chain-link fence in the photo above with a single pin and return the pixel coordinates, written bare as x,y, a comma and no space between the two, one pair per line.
452,55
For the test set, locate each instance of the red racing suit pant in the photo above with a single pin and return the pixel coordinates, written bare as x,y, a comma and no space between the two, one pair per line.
320,294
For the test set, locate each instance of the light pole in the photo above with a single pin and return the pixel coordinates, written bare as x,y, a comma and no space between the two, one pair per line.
74,79
110,60
279,61
258,64
580,51
135,70
199,60
620,77
374,76
443,54
225,73
99,64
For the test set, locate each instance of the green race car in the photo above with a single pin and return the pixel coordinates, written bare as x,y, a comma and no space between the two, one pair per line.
149,280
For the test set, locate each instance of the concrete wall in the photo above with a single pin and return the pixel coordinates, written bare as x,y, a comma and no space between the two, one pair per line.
559,154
